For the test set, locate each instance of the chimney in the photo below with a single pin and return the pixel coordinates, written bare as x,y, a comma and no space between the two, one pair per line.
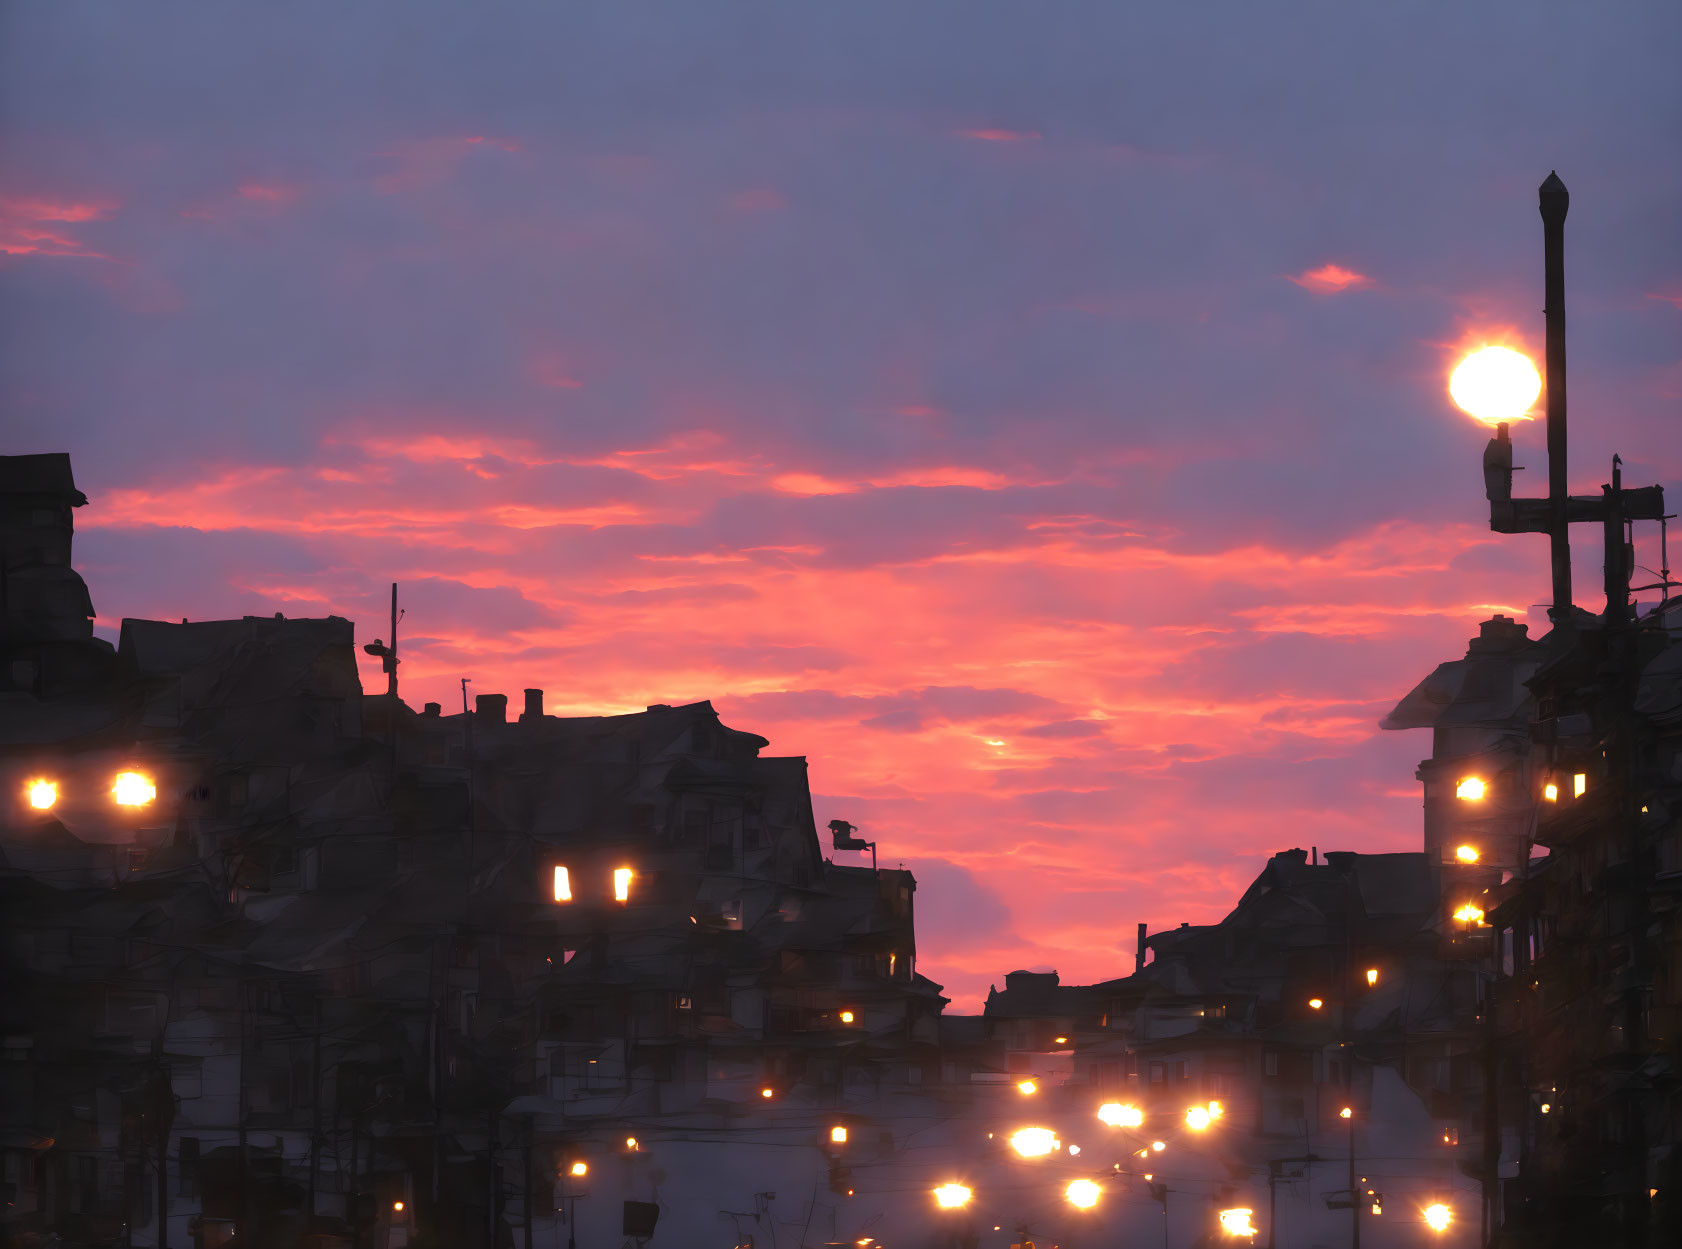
491,707
534,705
1139,958
432,709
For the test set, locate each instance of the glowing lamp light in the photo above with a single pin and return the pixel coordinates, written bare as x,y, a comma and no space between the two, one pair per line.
838,1135
1550,791
1027,1088
952,1196
1074,1151
1033,1142
1347,1112
1083,1194
563,885
41,794
1062,1040
631,1142
1495,384
846,1016
1437,1216
1197,1118
132,789
397,1206
1237,1222
1372,976
1159,1146
767,1093
1216,1110
1315,1003
621,884
1579,784
1546,1107
1471,789
1117,1115
1467,854
1470,913
580,1168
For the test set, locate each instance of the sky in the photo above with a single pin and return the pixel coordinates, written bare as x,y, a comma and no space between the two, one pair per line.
1033,414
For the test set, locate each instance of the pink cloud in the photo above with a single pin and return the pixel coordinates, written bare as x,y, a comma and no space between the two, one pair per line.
1001,136
1331,279
33,225
421,163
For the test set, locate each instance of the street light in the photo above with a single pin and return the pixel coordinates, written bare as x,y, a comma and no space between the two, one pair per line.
952,1196
132,789
1083,1194
42,794
1438,1216
1467,854
1236,1222
1197,1118
1033,1142
1027,1088
1471,789
1117,1115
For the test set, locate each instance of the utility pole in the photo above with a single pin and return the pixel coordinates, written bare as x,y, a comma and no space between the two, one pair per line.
1555,201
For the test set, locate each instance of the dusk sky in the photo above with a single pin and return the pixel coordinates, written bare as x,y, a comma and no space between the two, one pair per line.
1034,414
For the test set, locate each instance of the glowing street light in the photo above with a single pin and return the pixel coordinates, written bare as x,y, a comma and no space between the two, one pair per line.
579,1169
1495,384
397,1206
767,1093
621,884
1027,1088
42,794
1467,854
1082,1193
952,1196
1216,1110
133,789
838,1135
1117,1115
631,1143
1236,1222
1438,1216
1197,1118
1471,789
1033,1142
1470,913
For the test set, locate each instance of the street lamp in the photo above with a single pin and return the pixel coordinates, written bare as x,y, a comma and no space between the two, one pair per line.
1117,1115
42,794
1033,1142
952,1196
1082,1194
1197,1118
1236,1222
1438,1216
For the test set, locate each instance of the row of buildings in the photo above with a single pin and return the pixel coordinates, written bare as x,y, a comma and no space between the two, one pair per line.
287,963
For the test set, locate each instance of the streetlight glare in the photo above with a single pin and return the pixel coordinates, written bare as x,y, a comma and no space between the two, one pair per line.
1159,1146
1315,1003
1027,1088
952,1196
1197,1118
132,789
1372,976
1495,384
42,794
1117,1115
1237,1222
1082,1193
1346,1113
1034,1142
580,1168
1438,1216
1470,913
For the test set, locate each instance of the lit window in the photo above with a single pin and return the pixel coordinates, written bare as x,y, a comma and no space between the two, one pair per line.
1579,784
1470,913
131,789
1315,1003
1372,976
1550,791
1467,854
838,1135
1027,1088
563,885
846,1016
580,1168
621,884
1237,1222
1470,788
42,794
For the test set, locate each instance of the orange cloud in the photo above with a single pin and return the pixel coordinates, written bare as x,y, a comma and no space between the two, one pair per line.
1330,279
33,226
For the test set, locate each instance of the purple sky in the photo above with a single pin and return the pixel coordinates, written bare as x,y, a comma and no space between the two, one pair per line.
1034,414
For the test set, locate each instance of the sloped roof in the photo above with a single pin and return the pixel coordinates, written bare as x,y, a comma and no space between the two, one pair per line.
48,474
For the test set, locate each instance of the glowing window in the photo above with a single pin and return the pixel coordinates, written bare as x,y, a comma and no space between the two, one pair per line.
1470,788
1467,854
1579,784
621,884
838,1135
42,794
1372,976
131,789
563,885
1550,791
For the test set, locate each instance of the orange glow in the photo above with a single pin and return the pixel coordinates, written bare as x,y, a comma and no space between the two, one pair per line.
579,1168
1197,1118
1236,1222
1082,1194
1062,1040
1331,279
767,1093
1437,1216
1550,791
1470,913
41,794
132,789
1495,384
846,1016
1372,976
621,884
1471,789
838,1135
1027,1088
1034,1142
1216,1110
631,1143
1346,1113
1159,1146
952,1196
1315,1003
1467,854
563,885
1579,784
1117,1115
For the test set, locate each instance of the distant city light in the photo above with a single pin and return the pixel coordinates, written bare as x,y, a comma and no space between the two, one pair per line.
1315,1003
1197,1118
1027,1088
621,884
1237,1222
1467,854
952,1196
1438,1216
1470,913
1119,1116
1495,384
42,794
1471,788
563,885
1033,1142
630,1142
1579,784
1372,976
1550,791
838,1135
1082,1193
131,789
